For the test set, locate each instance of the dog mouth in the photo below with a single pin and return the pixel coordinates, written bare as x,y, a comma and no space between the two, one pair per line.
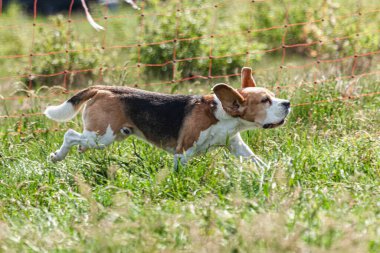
273,125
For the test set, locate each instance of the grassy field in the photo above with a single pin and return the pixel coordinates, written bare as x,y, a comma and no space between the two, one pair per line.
321,193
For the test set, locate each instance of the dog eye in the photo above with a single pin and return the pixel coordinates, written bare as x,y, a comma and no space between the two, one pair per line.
265,100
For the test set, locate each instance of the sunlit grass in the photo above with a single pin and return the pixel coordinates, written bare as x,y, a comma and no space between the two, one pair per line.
321,193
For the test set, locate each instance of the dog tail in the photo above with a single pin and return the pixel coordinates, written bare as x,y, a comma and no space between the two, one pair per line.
68,109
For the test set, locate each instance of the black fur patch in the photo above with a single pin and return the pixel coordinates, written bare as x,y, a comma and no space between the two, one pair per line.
78,98
159,116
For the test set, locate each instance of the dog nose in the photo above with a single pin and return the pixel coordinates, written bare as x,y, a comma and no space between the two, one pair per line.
286,104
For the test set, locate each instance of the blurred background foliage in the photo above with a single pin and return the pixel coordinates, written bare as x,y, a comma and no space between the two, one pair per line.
239,28
77,58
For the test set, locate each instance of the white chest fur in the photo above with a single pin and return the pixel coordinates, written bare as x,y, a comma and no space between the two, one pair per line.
217,134
220,133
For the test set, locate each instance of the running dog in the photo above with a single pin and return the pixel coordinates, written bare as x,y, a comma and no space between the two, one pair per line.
184,125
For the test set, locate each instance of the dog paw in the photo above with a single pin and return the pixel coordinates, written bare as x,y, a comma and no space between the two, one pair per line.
82,149
54,157
259,163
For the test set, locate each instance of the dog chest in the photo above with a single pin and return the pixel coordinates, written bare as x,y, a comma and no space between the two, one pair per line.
217,135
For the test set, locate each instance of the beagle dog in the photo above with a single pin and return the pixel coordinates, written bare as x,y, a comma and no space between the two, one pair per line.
184,125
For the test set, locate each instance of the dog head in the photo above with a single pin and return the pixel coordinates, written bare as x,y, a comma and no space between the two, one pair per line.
252,104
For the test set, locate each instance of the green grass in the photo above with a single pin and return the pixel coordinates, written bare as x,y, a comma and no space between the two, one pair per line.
320,194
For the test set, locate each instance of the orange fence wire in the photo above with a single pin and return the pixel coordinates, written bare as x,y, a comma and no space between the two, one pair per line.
174,60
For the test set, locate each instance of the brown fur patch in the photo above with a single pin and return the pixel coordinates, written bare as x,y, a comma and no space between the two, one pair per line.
230,98
103,110
199,119
254,108
247,78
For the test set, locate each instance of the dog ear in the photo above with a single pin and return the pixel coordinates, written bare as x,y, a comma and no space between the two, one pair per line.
231,100
247,78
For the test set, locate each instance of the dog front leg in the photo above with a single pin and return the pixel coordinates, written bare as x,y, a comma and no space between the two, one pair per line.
179,159
182,158
240,149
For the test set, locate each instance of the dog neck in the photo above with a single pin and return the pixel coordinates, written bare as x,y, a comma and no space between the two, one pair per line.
223,117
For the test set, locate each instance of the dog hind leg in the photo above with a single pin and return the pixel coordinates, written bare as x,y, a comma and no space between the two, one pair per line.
86,140
92,139
71,138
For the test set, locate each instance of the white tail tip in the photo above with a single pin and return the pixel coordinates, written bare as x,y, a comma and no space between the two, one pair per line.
60,113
